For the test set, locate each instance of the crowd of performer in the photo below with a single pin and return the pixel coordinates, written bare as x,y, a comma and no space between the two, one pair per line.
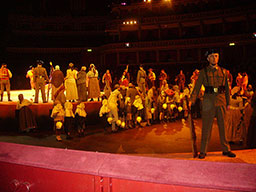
125,104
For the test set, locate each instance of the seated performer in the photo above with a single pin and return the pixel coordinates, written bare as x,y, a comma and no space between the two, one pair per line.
26,117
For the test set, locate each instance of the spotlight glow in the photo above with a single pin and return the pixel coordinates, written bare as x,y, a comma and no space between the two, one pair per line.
232,44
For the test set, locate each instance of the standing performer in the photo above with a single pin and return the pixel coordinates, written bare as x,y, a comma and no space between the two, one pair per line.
216,100
151,78
230,80
57,84
30,75
49,85
5,75
82,84
40,78
162,77
107,79
125,79
180,80
70,83
93,85
141,79
194,77
112,105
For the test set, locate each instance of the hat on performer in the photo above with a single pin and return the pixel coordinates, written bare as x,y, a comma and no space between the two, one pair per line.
210,51
40,62
116,86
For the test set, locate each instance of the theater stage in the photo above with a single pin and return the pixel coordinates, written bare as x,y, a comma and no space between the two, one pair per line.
171,140
129,160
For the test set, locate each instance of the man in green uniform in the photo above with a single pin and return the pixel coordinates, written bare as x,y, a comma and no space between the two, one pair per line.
40,78
215,102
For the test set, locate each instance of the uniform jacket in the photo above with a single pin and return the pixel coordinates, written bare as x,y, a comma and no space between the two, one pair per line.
216,77
40,72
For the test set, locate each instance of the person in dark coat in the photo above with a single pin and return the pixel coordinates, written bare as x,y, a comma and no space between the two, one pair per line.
40,78
58,88
82,81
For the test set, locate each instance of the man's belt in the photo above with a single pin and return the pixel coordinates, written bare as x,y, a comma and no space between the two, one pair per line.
211,89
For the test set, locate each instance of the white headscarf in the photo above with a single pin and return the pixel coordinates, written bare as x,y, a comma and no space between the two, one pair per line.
80,110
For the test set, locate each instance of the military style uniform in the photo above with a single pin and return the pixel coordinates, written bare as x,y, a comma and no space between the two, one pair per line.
40,78
216,99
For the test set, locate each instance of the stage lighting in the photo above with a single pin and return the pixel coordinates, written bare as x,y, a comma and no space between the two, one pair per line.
124,22
123,3
127,44
89,50
232,44
254,35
